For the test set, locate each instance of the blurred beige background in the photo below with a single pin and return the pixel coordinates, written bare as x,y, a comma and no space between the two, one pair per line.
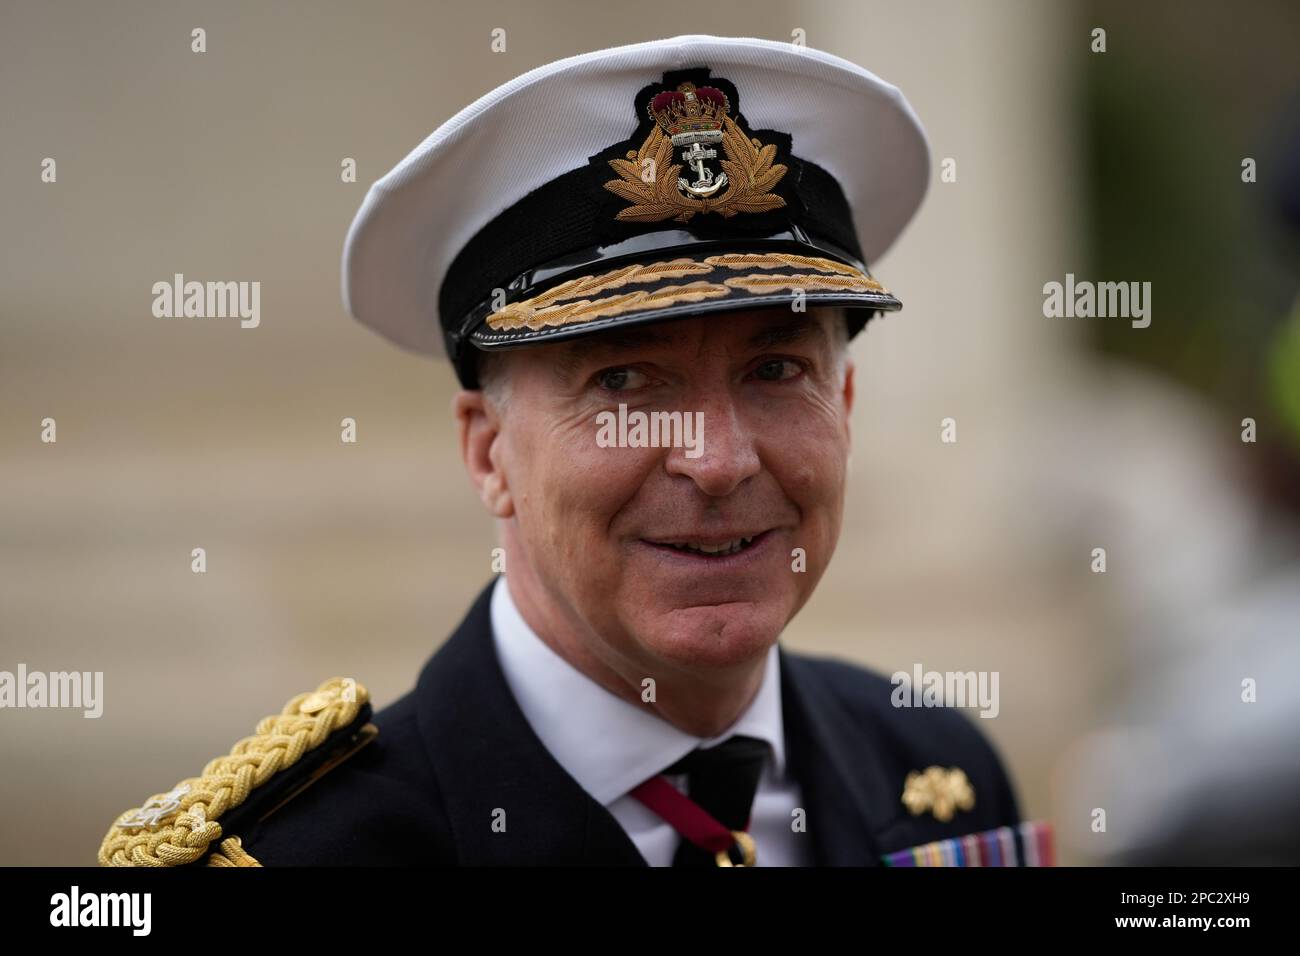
332,559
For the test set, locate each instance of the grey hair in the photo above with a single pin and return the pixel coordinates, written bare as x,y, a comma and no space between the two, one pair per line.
492,379
840,343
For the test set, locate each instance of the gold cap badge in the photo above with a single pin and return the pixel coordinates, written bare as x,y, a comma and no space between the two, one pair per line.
695,119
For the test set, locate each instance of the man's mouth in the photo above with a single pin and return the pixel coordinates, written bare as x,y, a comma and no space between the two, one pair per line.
710,547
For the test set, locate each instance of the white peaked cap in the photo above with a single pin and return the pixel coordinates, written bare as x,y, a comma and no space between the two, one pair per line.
521,136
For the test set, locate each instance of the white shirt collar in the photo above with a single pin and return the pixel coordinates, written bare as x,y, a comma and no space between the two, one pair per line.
608,744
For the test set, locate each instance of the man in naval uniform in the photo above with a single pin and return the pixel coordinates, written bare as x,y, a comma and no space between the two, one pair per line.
645,265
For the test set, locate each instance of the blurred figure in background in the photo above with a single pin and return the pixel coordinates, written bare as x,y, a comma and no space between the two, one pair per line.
1201,765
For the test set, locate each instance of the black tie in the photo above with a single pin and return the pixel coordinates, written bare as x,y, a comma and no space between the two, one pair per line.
723,780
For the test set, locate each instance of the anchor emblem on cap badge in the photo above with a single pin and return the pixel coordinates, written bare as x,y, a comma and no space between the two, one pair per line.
693,117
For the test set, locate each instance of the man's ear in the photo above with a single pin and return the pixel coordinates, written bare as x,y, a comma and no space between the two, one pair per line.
480,448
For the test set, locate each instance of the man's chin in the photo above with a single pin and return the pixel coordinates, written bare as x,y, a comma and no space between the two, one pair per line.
714,636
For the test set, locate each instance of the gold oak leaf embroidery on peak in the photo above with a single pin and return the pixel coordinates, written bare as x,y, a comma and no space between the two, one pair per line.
751,171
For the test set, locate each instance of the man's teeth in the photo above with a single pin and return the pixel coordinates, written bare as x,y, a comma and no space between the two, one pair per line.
729,547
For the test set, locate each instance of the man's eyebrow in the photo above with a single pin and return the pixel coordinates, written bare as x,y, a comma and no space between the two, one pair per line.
786,332
578,350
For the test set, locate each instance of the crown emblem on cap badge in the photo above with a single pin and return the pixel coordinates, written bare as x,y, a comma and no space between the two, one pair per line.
695,119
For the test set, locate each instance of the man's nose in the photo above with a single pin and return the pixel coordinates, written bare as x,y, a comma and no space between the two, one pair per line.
725,452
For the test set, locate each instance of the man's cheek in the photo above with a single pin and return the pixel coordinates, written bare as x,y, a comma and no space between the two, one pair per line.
822,454
809,473
574,516
610,477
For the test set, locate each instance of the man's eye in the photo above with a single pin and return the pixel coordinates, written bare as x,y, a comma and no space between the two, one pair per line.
621,379
776,370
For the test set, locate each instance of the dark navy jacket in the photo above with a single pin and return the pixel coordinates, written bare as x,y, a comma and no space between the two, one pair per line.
457,747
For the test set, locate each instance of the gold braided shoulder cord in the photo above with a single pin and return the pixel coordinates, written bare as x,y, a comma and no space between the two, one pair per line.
192,808
231,852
